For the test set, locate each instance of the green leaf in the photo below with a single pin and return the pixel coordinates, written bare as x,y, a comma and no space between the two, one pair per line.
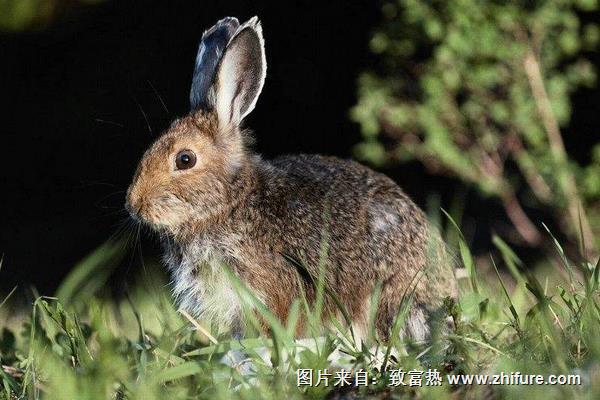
180,371
91,273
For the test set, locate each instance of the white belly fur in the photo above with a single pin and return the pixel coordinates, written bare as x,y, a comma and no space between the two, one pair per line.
202,288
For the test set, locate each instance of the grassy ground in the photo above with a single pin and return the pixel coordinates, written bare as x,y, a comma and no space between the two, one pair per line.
82,345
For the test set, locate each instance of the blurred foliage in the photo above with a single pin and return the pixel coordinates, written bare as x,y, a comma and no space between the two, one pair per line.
23,15
479,90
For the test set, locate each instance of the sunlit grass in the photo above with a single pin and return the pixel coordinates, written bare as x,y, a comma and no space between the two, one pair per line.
82,345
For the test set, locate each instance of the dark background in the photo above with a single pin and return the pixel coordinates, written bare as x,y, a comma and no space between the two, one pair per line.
84,97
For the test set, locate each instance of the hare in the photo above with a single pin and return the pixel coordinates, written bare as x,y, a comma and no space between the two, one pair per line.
215,203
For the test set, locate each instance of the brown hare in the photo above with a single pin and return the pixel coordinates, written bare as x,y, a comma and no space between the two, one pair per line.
214,202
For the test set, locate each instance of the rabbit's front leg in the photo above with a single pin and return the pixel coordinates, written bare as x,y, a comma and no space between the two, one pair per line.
238,358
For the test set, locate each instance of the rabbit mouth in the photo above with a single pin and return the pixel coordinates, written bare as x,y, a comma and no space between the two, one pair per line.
163,214
155,220
156,223
148,214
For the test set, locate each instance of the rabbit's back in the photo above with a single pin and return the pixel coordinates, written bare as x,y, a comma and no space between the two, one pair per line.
357,222
355,207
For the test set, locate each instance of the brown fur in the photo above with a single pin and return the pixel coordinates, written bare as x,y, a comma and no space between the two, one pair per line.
248,213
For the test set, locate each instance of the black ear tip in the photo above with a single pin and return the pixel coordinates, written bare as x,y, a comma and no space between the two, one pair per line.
227,24
213,43
228,20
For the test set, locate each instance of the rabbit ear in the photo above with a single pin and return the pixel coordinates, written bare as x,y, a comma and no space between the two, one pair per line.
241,73
210,51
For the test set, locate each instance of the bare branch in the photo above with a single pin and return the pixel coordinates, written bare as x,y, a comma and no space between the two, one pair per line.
519,218
575,208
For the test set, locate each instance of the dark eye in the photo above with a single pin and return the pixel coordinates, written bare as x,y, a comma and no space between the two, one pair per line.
185,159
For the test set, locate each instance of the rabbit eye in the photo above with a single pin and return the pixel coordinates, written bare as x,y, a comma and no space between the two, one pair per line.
185,159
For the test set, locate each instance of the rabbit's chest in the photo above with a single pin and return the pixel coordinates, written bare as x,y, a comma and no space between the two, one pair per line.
202,288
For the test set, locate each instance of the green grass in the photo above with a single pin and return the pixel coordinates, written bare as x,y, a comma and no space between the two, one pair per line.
83,345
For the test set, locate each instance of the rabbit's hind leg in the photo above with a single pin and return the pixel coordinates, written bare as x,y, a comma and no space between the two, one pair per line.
415,325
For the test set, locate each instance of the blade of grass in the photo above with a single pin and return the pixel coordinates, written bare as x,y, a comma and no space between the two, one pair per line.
223,347
511,260
91,273
327,290
8,296
562,256
180,371
465,254
198,327
511,306
403,310
9,383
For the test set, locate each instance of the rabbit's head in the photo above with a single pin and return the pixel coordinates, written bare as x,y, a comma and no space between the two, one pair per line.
186,176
